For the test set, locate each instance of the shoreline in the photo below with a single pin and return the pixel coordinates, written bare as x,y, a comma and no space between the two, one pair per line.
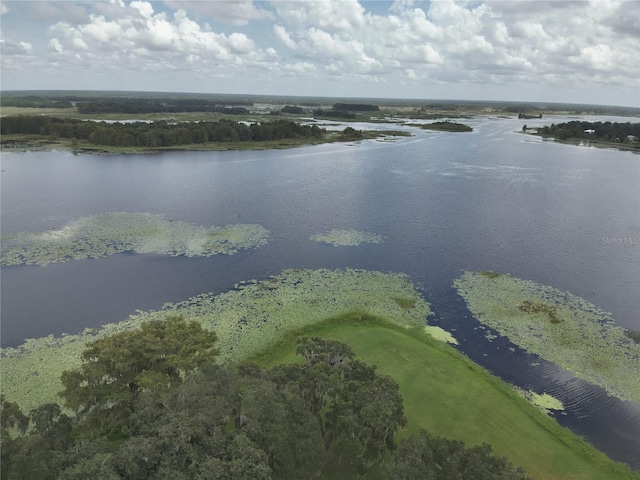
581,142
20,143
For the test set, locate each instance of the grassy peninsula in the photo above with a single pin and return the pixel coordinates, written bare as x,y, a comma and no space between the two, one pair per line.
448,395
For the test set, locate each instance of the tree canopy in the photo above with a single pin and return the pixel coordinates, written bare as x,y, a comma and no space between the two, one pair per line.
172,412
607,131
116,369
428,457
157,134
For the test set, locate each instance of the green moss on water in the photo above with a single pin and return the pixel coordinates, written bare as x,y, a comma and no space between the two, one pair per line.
559,327
248,319
543,402
102,235
347,237
440,334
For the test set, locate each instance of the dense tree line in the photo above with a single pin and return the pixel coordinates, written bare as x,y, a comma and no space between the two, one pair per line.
607,131
291,109
356,107
165,105
153,404
96,104
333,113
159,133
35,101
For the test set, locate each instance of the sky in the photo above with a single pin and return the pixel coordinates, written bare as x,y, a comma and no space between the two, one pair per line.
515,50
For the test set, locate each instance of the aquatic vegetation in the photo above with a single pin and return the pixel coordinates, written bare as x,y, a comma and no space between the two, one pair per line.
101,235
539,307
440,334
347,237
405,302
559,327
490,274
248,319
544,402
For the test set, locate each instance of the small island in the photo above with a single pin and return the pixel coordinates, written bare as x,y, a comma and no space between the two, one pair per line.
40,132
622,136
447,126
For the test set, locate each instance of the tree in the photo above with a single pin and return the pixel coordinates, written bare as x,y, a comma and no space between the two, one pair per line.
13,425
11,417
50,423
116,369
358,410
428,457
277,421
365,414
334,354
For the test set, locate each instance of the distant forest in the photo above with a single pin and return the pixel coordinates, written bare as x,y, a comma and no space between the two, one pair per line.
93,105
158,133
606,131
169,105
356,107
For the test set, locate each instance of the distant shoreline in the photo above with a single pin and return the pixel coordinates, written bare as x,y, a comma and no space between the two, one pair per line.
581,142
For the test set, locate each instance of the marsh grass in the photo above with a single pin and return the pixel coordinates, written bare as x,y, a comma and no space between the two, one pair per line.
406,303
540,307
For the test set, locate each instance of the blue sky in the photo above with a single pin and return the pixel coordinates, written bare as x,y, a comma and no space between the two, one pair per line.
517,50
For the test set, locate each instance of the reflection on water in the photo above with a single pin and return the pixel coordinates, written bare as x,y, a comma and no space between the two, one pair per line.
489,200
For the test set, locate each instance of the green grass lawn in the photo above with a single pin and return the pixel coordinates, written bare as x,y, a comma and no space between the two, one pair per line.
448,395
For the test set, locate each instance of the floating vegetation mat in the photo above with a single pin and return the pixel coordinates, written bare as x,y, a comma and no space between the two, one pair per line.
101,235
248,319
544,402
441,334
347,237
557,326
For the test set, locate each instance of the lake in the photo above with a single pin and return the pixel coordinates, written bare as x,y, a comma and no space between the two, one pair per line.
493,199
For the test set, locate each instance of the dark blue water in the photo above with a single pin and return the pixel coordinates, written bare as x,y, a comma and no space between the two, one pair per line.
491,200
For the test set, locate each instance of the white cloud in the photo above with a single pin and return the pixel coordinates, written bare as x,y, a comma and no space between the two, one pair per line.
459,41
56,46
235,12
284,37
15,48
145,8
99,29
138,37
493,45
332,16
